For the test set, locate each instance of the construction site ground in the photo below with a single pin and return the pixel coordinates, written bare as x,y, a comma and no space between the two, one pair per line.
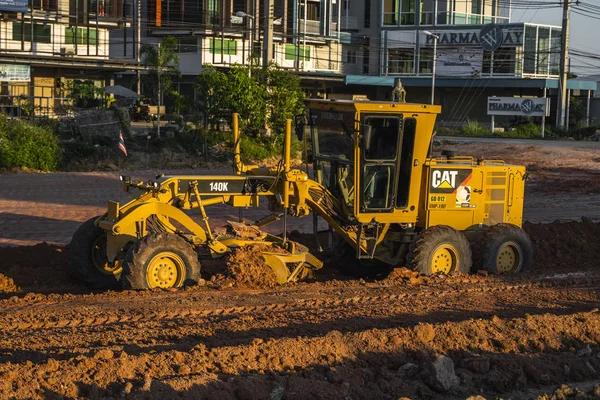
388,337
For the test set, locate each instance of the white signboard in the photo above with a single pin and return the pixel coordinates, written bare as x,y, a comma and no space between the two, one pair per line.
15,73
459,61
490,37
527,107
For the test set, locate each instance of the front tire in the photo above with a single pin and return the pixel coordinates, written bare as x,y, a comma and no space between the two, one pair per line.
440,250
504,248
160,260
87,257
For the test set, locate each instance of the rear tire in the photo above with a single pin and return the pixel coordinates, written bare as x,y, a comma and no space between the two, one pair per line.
504,248
440,250
87,257
160,260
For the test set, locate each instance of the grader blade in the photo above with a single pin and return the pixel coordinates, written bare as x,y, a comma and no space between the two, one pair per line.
292,267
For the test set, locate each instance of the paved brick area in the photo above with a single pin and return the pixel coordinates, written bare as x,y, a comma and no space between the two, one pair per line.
37,208
49,207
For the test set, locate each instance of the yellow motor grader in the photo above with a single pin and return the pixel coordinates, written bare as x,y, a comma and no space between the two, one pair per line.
369,174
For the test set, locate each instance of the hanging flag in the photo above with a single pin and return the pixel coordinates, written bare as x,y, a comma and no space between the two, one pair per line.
122,144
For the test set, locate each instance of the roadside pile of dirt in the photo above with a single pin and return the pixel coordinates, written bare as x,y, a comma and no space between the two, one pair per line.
565,245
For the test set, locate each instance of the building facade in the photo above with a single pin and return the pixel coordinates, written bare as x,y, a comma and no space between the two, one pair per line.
222,33
479,53
45,45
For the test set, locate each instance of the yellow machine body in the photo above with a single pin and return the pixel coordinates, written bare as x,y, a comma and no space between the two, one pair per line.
373,181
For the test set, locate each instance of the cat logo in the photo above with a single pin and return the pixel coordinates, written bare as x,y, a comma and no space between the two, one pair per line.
443,179
448,180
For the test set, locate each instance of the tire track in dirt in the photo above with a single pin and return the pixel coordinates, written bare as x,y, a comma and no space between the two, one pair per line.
42,322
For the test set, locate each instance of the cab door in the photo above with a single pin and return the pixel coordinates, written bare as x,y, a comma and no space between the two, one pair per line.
379,158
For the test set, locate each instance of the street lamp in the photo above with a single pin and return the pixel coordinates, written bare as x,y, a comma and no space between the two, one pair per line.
435,40
245,15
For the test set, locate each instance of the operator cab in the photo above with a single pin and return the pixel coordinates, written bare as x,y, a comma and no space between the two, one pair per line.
363,152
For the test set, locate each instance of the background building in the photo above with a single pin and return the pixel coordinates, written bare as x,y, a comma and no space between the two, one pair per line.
306,36
47,44
480,53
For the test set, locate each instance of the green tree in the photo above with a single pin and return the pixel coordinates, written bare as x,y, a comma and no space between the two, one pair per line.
162,65
577,112
267,96
285,97
85,94
211,86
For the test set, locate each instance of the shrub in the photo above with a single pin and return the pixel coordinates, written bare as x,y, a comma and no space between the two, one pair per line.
473,128
528,130
24,144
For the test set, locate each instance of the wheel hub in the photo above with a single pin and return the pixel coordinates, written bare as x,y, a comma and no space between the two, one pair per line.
509,257
165,270
443,260
100,260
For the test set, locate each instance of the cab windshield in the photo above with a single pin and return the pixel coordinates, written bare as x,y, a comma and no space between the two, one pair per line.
333,134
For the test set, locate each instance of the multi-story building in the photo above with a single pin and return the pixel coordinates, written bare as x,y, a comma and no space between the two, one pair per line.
480,53
46,44
306,36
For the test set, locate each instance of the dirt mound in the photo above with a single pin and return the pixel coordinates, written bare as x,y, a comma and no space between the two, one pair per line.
405,275
42,267
7,285
565,245
247,268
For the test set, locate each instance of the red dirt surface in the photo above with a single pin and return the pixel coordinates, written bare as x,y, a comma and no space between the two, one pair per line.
327,339
396,336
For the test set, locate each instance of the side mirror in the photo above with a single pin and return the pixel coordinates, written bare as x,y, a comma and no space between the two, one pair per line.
366,133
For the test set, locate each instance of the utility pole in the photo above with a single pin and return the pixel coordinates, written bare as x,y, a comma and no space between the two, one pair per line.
564,54
268,35
138,34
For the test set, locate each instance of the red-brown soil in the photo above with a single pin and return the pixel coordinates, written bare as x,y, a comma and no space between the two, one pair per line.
336,337
333,338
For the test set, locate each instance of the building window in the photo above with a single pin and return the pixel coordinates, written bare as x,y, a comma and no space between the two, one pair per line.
366,60
401,61
530,50
426,61
291,51
22,31
427,15
350,56
223,47
402,11
367,13
390,12
45,5
407,16
503,61
543,51
313,11
82,36
190,45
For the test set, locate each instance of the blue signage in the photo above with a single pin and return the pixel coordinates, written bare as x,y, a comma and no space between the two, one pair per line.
13,5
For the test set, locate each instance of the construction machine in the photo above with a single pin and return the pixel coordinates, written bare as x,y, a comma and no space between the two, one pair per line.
369,174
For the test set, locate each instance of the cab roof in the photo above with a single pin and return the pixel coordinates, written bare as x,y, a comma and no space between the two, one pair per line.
372,106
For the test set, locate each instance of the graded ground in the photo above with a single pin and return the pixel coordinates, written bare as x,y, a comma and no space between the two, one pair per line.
390,337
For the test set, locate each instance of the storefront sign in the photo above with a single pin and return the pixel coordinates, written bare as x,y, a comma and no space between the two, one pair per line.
13,5
490,37
15,73
459,62
530,107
